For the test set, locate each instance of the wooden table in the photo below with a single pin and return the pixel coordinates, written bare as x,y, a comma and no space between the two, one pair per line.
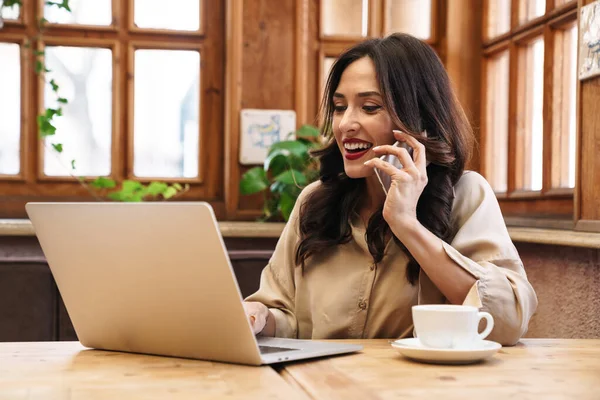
66,370
534,369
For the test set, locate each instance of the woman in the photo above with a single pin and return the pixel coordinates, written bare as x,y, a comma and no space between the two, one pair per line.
353,260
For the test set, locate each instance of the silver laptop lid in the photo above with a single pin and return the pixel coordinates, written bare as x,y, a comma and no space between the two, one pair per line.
146,277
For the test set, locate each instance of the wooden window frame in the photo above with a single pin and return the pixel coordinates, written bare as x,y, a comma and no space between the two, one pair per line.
334,45
122,36
554,205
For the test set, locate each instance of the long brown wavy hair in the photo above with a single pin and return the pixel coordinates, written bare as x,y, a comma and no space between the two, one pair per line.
418,95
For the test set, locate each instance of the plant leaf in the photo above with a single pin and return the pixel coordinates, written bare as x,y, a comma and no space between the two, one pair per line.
286,205
295,147
58,147
156,188
101,182
170,192
39,67
129,186
253,181
72,164
177,186
278,161
292,177
62,100
54,85
45,126
307,131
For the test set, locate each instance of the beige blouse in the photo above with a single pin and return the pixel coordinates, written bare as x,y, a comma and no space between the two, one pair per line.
343,294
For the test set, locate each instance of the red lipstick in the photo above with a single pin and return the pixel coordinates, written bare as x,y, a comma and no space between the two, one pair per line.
355,154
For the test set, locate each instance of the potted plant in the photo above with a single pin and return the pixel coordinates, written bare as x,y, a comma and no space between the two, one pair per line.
287,169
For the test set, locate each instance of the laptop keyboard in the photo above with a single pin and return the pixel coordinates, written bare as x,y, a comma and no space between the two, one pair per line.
273,349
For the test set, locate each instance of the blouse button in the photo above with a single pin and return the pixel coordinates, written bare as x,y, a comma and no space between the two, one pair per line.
362,305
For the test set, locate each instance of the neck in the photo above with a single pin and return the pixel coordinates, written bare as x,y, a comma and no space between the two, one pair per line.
374,196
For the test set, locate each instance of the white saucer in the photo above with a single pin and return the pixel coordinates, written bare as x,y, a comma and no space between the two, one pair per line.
412,348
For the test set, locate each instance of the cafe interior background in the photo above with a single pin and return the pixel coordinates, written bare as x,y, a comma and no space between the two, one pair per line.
153,93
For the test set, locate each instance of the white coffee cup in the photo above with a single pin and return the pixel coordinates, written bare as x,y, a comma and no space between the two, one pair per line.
446,326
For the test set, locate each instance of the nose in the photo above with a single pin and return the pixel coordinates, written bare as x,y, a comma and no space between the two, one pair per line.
349,122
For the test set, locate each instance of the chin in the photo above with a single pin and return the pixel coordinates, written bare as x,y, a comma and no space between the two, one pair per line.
358,171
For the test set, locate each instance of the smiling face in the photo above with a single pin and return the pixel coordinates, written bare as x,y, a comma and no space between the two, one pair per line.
360,120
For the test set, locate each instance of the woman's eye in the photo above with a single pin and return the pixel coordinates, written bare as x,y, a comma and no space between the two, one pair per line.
371,109
339,108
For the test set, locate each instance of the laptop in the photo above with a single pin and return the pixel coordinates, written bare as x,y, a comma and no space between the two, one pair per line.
155,278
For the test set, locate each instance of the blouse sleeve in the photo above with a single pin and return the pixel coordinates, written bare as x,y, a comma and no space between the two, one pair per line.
277,283
483,247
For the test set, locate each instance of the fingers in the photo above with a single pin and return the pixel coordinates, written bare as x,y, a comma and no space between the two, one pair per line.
419,156
385,167
257,319
400,152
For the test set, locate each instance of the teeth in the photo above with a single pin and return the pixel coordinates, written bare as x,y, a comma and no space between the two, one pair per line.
357,146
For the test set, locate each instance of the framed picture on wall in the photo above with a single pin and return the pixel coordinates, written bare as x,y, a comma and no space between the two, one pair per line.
589,41
260,129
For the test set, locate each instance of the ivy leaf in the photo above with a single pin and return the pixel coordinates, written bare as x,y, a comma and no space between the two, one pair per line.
73,165
170,192
39,67
177,186
62,100
54,85
39,53
253,181
292,177
156,188
63,4
45,126
101,182
130,186
58,147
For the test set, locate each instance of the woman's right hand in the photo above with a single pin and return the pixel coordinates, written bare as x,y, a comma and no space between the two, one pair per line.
258,314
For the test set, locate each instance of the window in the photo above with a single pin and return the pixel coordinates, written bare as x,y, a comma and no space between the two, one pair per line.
143,84
347,22
528,109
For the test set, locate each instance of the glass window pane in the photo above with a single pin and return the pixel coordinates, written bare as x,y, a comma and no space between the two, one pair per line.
85,12
10,12
327,64
166,119
185,16
563,103
531,9
10,108
84,77
530,86
498,17
496,121
345,17
409,16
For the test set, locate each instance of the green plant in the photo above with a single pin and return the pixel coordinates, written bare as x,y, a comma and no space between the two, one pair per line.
101,187
287,169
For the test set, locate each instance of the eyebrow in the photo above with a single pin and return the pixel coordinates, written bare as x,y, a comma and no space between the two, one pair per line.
361,94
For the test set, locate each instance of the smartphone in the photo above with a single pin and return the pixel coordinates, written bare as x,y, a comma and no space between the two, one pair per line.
384,179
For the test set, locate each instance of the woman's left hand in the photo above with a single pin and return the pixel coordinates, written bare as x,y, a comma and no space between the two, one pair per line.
407,183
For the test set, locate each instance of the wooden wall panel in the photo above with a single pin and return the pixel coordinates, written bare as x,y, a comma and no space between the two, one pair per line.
590,148
268,61
463,62
587,186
